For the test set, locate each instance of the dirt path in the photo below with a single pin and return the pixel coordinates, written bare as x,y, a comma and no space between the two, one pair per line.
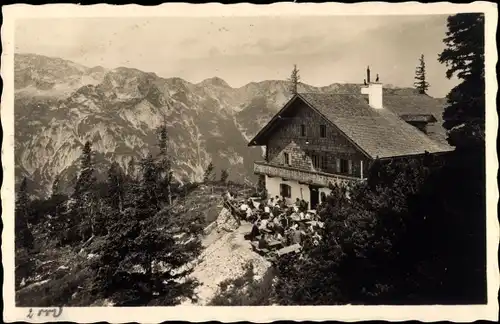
224,257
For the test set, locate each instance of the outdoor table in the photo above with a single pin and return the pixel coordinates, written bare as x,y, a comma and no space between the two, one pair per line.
288,249
274,243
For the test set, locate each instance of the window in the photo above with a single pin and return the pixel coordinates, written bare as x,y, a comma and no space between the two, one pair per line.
322,130
315,161
319,161
302,130
323,162
286,157
344,166
285,190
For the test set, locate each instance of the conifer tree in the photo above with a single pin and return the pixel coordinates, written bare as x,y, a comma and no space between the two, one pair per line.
115,187
224,175
23,236
463,183
165,164
294,80
56,186
131,169
137,261
421,83
464,117
209,173
148,202
84,198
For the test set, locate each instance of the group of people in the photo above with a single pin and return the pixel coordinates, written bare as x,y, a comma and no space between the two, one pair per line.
274,220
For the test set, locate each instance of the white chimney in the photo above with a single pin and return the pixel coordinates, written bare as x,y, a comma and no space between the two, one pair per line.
374,92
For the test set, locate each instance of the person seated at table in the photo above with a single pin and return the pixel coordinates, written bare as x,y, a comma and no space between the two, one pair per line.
270,224
261,207
249,214
284,221
251,203
279,229
303,205
254,232
263,223
270,202
277,219
243,207
296,236
263,241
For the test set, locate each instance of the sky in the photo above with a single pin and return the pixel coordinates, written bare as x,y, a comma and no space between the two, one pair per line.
326,49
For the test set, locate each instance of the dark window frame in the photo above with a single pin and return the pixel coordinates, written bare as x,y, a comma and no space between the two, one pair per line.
344,166
286,158
285,190
322,131
315,161
323,162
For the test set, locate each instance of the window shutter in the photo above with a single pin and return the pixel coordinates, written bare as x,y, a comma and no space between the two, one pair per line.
350,167
337,167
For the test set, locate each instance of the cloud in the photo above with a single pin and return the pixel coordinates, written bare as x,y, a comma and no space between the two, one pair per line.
245,49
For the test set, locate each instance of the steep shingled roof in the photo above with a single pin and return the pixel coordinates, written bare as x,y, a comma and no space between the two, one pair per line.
420,104
377,132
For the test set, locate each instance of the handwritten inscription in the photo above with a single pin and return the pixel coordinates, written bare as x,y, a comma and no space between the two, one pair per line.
45,312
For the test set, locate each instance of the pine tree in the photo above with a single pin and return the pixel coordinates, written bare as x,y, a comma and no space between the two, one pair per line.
136,265
56,184
23,237
421,83
115,187
464,117
131,169
224,175
165,164
462,184
148,202
294,80
84,209
209,173
57,200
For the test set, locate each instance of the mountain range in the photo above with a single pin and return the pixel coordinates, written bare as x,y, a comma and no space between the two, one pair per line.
60,104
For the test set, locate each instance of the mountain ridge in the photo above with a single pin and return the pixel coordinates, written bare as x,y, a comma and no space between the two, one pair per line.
60,104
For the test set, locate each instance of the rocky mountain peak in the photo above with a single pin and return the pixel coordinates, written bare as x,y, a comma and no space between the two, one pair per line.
215,81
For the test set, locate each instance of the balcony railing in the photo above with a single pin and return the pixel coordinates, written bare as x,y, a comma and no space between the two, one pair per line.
303,176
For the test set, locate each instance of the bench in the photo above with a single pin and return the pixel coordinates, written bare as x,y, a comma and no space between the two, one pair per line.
255,246
292,248
275,244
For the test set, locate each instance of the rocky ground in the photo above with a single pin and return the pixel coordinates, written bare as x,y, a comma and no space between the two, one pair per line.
225,255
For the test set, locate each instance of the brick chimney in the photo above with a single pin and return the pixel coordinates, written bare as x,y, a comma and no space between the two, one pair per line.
373,90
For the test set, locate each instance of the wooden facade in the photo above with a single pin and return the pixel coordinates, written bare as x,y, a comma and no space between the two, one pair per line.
305,140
